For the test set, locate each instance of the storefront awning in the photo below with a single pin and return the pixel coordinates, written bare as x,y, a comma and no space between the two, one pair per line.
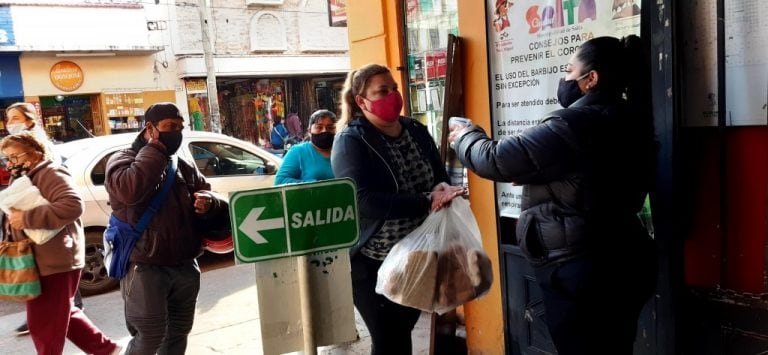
10,77
264,66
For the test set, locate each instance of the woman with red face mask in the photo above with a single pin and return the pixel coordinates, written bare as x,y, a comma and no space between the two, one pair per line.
399,176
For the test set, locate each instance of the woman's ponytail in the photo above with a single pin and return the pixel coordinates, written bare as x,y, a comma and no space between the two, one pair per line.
347,103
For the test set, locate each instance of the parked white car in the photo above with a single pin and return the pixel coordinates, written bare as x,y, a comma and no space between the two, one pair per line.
229,164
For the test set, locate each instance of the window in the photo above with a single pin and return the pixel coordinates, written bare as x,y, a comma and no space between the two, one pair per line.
427,25
268,33
219,159
99,171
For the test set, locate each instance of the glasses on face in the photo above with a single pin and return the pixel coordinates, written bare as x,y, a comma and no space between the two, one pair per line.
13,158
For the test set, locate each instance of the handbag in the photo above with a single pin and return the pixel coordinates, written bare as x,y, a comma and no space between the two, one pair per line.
121,236
19,278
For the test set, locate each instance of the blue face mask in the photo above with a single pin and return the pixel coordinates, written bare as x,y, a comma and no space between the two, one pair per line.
568,91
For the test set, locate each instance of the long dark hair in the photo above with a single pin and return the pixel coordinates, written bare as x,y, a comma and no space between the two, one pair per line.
356,83
622,66
624,72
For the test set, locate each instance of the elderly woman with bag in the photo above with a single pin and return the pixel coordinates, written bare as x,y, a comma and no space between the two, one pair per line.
52,316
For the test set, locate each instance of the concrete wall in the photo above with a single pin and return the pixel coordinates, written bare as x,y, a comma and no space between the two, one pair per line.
296,26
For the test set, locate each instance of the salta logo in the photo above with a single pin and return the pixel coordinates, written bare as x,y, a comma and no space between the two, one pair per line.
563,13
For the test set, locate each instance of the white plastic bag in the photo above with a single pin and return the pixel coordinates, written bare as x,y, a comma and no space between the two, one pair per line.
440,265
23,195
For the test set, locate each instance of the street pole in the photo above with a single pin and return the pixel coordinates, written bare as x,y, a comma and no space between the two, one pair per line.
305,297
213,94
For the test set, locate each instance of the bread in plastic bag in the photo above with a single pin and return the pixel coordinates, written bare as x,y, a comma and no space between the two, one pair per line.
440,265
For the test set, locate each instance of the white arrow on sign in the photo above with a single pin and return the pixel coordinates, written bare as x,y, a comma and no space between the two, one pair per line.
251,226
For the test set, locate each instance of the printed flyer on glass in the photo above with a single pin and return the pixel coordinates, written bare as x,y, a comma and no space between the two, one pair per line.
529,44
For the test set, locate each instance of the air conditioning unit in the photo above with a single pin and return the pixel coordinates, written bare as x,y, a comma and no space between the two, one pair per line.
264,2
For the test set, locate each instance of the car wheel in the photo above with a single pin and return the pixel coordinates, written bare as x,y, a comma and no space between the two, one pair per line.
94,278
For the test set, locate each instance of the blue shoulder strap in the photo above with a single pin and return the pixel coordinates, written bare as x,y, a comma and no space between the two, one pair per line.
159,198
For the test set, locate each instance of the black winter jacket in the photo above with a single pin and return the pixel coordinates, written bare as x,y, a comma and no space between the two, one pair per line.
359,152
585,170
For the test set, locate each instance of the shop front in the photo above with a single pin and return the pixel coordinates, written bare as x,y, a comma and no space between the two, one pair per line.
80,96
255,90
511,59
249,106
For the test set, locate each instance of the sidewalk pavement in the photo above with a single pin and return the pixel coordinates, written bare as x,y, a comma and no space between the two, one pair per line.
226,320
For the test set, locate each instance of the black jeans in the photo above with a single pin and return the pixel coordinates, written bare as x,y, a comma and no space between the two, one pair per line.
160,306
390,324
592,304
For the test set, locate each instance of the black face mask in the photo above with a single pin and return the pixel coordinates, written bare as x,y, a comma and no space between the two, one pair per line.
18,171
171,140
568,91
323,140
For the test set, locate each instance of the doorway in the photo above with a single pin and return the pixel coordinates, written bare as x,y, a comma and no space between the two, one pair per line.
67,118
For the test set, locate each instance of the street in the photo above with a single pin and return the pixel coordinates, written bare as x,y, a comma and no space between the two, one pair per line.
226,322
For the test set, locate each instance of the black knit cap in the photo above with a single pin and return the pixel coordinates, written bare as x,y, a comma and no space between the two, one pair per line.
162,110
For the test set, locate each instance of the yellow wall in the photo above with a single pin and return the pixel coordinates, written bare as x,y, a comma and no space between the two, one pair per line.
100,73
484,317
375,33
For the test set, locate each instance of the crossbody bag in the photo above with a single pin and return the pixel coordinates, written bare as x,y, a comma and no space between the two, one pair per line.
120,236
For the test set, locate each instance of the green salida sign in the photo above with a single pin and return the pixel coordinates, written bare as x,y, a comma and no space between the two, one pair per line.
294,220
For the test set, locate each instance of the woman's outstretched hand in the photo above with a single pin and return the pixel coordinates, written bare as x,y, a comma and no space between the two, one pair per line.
442,195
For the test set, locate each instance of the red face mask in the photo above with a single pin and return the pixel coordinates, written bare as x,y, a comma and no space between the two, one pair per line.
388,107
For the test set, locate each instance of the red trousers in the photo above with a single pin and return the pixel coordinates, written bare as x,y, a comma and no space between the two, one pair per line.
52,317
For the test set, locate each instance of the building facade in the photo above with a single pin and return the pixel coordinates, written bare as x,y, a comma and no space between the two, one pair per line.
94,66
91,67
270,57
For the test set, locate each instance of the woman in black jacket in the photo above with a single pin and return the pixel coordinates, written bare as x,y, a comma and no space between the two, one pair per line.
399,176
585,171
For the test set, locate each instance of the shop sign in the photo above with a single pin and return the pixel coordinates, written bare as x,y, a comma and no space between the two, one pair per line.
196,86
66,76
294,219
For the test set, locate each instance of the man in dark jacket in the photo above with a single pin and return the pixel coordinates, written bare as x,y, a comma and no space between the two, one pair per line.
160,289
